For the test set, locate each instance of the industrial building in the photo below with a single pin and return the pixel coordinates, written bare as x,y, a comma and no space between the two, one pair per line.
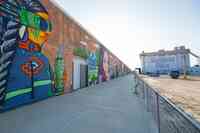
165,61
194,70
44,52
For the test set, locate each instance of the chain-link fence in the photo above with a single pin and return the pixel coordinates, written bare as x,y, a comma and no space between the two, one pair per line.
168,117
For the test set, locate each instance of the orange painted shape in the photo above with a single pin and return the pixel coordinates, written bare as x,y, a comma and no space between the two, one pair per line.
37,36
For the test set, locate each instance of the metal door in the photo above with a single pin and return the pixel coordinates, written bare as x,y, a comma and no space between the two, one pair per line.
83,75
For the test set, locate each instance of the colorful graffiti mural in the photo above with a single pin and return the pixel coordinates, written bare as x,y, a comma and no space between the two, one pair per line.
105,65
114,66
59,71
25,73
93,61
93,67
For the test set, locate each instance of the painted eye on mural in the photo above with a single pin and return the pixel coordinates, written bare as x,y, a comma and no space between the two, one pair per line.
33,66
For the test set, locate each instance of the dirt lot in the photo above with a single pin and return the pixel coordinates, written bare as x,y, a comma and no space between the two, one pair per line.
184,93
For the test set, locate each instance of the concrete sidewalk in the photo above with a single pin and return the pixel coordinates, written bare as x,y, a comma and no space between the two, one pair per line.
110,107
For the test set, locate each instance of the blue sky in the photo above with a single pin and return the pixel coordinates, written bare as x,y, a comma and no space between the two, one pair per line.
128,27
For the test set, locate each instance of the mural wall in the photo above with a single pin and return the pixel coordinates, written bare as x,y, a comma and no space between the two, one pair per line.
38,43
93,65
25,70
59,71
105,65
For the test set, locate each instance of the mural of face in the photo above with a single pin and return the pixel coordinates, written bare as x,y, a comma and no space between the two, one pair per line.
27,27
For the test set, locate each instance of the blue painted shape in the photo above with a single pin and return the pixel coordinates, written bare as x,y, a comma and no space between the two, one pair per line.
17,79
17,101
41,92
92,61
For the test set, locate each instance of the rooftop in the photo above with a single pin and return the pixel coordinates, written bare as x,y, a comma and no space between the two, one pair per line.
176,50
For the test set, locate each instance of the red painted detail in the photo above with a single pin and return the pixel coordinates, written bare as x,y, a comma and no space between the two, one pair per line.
26,46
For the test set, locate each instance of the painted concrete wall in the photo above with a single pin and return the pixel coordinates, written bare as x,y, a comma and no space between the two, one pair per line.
37,47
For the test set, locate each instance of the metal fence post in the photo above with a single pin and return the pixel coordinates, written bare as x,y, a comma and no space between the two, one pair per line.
143,93
136,85
158,111
148,99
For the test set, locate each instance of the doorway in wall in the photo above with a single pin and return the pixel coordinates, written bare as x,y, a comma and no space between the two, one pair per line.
79,73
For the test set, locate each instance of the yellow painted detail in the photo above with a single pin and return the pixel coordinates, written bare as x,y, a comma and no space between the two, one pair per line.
43,15
37,36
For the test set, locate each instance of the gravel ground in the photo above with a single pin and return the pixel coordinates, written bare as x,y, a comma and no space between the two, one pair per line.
185,93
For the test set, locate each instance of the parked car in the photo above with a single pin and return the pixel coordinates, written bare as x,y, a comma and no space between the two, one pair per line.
174,74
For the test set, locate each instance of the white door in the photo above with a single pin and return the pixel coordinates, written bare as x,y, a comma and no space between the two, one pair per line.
76,77
77,72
